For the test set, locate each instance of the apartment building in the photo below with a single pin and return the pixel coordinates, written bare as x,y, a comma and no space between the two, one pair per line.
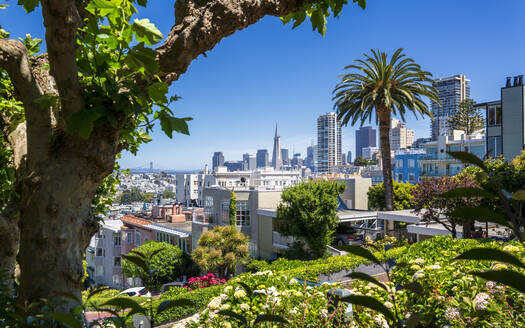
400,136
329,142
407,165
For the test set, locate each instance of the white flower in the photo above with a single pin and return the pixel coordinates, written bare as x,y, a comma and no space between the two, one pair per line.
293,281
389,305
226,306
227,289
226,324
223,297
490,284
418,275
293,311
417,261
481,301
452,313
510,248
262,273
298,294
244,307
324,312
239,293
434,267
380,320
215,303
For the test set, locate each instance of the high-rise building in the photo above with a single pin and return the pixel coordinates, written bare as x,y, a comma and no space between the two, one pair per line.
349,157
285,156
248,162
297,161
344,161
364,137
277,161
262,157
217,160
451,91
329,142
233,166
311,157
400,136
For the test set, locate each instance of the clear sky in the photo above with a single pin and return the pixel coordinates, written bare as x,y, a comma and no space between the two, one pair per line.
269,72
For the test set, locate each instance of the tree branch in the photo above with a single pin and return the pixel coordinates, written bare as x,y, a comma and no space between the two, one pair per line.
61,20
201,24
13,58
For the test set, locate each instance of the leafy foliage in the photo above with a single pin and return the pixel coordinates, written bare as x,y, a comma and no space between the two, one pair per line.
308,212
221,249
403,196
232,209
467,117
360,161
168,194
163,263
132,195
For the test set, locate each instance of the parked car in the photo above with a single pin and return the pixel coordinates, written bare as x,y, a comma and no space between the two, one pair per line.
136,291
347,235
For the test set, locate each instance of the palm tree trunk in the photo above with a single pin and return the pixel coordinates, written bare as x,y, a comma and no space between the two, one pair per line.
384,140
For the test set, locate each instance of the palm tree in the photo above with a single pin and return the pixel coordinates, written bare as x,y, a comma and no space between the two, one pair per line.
383,87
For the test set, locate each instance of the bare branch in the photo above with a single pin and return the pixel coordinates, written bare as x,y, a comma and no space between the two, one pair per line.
13,58
61,20
201,24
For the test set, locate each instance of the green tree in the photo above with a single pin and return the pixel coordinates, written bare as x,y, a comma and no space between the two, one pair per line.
308,212
360,161
132,195
403,196
467,118
232,209
147,196
383,88
220,250
98,90
168,194
166,263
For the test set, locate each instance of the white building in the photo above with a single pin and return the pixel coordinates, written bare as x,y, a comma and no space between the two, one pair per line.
400,136
368,152
329,142
188,188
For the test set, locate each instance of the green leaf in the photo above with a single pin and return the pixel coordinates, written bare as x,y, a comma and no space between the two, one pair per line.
318,21
97,291
82,122
139,253
519,195
506,277
47,100
170,123
32,45
137,261
142,3
169,304
270,318
468,158
479,213
64,318
369,302
366,277
3,33
140,58
414,319
414,287
234,315
157,92
246,288
29,5
361,3
490,254
467,192
155,252
124,303
146,32
103,7
362,252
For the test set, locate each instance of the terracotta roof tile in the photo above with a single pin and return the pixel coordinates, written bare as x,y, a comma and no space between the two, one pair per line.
133,220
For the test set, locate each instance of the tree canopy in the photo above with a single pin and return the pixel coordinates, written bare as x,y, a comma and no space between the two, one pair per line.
467,117
308,212
403,196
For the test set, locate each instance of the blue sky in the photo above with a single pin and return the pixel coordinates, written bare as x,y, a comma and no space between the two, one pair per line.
268,72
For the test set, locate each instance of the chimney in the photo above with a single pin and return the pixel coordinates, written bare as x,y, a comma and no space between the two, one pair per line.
515,81
508,84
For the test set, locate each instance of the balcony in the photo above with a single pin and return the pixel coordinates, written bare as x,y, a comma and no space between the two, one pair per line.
205,218
281,241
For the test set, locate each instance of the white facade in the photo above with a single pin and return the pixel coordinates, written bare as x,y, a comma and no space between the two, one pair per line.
368,152
329,142
400,136
189,188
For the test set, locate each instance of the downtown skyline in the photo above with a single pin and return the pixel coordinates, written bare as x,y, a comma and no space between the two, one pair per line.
269,72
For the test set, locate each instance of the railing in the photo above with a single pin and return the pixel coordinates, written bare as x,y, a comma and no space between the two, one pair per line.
204,218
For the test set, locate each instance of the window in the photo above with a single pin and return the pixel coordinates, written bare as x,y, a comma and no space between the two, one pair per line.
137,238
100,252
411,177
225,212
494,115
99,270
411,163
242,217
400,177
116,261
208,201
494,146
129,237
399,163
117,280
116,240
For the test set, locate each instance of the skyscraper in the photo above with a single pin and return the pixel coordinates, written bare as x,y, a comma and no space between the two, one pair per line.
364,137
344,161
262,157
277,161
451,91
400,136
329,142
311,157
248,162
217,160
285,156
349,157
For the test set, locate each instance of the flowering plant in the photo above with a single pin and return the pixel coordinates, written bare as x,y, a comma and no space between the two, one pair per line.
204,281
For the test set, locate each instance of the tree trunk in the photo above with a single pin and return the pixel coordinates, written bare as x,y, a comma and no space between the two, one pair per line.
56,219
9,235
384,139
468,229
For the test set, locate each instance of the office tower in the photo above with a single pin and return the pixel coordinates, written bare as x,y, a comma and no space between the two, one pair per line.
233,166
349,157
246,162
277,161
343,159
285,157
364,137
217,160
262,157
297,161
451,91
400,136
328,142
310,157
